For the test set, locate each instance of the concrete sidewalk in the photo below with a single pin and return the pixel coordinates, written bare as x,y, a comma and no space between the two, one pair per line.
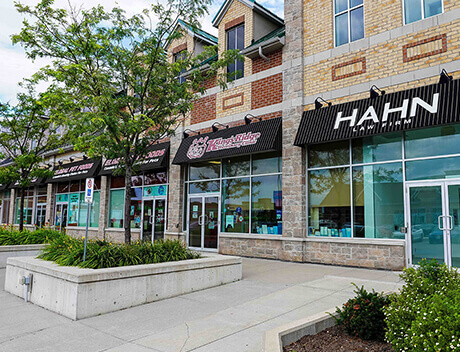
232,318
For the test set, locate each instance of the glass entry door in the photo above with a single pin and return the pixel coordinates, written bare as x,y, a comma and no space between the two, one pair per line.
40,212
203,222
61,216
434,227
153,223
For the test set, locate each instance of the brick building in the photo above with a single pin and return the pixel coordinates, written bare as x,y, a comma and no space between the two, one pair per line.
338,141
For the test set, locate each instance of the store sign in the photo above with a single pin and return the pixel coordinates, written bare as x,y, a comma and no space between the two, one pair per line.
203,145
423,107
75,171
153,157
399,114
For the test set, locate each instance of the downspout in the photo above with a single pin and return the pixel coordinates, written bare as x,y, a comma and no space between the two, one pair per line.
262,55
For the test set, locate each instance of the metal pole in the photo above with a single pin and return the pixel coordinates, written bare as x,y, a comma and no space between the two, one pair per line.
86,232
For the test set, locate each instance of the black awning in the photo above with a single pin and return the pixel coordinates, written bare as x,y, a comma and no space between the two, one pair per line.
253,138
35,182
76,171
3,187
156,158
428,106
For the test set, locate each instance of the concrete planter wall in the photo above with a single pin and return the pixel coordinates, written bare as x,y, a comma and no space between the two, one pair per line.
284,335
25,250
80,293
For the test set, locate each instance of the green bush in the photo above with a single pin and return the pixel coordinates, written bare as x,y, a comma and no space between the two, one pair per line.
363,316
68,251
10,236
425,315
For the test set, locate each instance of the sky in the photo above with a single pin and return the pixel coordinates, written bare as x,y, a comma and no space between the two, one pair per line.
14,66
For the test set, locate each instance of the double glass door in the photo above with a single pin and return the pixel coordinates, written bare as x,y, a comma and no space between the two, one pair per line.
61,216
40,212
203,222
153,223
434,228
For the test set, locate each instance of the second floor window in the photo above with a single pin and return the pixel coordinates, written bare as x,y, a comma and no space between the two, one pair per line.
348,21
415,10
235,40
181,55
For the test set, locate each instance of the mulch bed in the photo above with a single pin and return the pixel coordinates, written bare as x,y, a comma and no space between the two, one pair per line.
336,339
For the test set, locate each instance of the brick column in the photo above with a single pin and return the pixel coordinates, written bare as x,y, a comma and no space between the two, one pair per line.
294,208
12,206
50,202
175,194
103,207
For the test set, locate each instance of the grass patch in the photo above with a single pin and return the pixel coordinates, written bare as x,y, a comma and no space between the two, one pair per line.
68,251
11,237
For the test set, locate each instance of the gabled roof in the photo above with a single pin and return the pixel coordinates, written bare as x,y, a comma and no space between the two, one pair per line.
279,32
251,4
196,33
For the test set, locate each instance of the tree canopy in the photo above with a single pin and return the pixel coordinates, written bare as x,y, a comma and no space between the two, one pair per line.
117,91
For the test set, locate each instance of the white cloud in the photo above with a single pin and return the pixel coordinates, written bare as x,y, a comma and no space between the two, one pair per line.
14,66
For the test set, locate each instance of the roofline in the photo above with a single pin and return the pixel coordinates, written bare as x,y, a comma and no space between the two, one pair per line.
251,4
272,42
193,34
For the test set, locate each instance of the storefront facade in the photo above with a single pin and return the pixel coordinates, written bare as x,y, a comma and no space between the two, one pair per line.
388,168
232,183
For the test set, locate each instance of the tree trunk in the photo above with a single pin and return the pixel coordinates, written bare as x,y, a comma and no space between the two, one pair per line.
21,210
127,215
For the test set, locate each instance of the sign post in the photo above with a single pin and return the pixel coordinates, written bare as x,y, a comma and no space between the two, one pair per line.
89,191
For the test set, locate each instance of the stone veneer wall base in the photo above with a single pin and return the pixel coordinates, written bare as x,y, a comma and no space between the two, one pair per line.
373,254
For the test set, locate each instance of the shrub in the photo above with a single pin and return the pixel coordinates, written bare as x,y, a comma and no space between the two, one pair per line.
68,251
363,316
425,315
10,236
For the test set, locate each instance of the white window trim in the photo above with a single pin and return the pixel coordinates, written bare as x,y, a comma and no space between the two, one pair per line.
348,10
423,12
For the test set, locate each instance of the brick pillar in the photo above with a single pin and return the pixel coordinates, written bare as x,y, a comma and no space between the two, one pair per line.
12,206
103,206
50,202
294,209
175,194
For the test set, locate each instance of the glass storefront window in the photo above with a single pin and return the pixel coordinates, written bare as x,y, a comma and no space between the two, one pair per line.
267,205
74,206
204,187
329,202
443,140
431,169
235,205
329,154
236,166
205,170
116,208
378,200
155,178
28,206
267,163
94,215
377,148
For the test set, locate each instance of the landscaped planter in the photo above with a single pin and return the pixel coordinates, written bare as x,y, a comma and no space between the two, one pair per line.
284,335
80,293
24,250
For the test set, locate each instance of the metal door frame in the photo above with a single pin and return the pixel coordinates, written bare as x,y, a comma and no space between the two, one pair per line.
447,222
154,200
203,197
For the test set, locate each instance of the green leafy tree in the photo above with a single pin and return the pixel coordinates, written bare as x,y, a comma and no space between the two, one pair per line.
119,91
25,134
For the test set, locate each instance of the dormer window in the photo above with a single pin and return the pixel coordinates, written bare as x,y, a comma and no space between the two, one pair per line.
181,55
235,40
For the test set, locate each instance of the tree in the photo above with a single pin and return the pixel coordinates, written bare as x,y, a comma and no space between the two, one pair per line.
120,91
25,134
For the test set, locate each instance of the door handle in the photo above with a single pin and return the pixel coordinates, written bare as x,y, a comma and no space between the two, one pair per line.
200,218
439,222
450,223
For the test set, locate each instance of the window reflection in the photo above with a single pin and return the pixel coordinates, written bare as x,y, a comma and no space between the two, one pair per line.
235,205
378,201
330,207
267,205
329,154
